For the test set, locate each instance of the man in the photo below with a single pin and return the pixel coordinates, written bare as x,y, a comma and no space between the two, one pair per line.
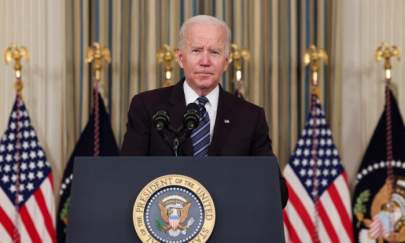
229,125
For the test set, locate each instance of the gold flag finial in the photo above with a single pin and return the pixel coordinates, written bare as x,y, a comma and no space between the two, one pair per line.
16,53
386,52
97,55
166,55
314,56
236,57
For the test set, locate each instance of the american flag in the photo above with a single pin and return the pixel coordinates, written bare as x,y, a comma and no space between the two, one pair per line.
26,189
319,208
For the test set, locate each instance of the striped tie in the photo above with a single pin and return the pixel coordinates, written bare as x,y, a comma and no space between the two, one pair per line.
200,136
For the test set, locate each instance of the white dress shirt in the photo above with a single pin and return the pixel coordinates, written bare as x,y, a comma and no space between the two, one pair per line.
211,106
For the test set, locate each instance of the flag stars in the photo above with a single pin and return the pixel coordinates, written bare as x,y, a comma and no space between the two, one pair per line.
308,182
41,164
11,137
12,188
40,175
32,165
7,168
24,156
304,162
333,172
30,186
9,158
302,172
31,176
324,182
25,145
20,198
2,148
33,144
5,178
314,193
33,155
40,154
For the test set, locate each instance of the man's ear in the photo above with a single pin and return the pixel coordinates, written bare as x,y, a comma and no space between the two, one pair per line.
228,61
179,57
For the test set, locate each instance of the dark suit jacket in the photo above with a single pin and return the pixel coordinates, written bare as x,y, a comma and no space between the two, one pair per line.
244,133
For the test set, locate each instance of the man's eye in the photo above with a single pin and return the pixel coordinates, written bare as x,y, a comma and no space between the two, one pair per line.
195,51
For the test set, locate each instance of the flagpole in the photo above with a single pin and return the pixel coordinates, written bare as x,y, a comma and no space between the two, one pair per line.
386,53
313,58
97,55
17,54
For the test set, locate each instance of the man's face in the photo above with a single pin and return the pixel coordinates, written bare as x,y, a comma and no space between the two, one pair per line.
203,56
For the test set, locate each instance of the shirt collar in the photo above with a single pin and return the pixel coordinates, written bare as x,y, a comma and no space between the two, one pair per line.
191,96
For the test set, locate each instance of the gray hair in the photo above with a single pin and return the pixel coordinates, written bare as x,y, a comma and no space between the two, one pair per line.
205,19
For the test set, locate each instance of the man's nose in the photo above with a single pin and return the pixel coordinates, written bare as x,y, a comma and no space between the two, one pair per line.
205,59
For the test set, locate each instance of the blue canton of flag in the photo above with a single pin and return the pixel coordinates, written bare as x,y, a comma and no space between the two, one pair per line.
26,190
319,201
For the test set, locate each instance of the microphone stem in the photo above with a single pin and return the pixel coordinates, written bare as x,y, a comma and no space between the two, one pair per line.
176,144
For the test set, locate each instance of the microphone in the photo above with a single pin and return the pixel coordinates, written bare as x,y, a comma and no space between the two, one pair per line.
191,117
160,120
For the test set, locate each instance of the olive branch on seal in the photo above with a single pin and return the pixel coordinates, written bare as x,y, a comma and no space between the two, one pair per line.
359,207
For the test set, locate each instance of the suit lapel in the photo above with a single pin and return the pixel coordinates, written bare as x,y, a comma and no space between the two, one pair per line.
177,103
223,123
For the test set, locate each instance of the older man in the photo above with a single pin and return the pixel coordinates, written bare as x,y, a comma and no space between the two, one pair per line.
229,125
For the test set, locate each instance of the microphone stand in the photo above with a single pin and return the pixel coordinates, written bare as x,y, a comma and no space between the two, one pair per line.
161,121
180,135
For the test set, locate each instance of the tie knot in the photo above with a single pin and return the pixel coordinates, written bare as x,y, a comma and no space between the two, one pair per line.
202,100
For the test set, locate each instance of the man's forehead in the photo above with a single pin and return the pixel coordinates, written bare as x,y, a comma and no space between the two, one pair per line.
201,38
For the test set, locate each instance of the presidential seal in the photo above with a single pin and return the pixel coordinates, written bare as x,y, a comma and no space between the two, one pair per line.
174,209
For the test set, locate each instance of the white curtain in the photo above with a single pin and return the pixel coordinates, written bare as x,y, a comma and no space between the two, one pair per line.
365,24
